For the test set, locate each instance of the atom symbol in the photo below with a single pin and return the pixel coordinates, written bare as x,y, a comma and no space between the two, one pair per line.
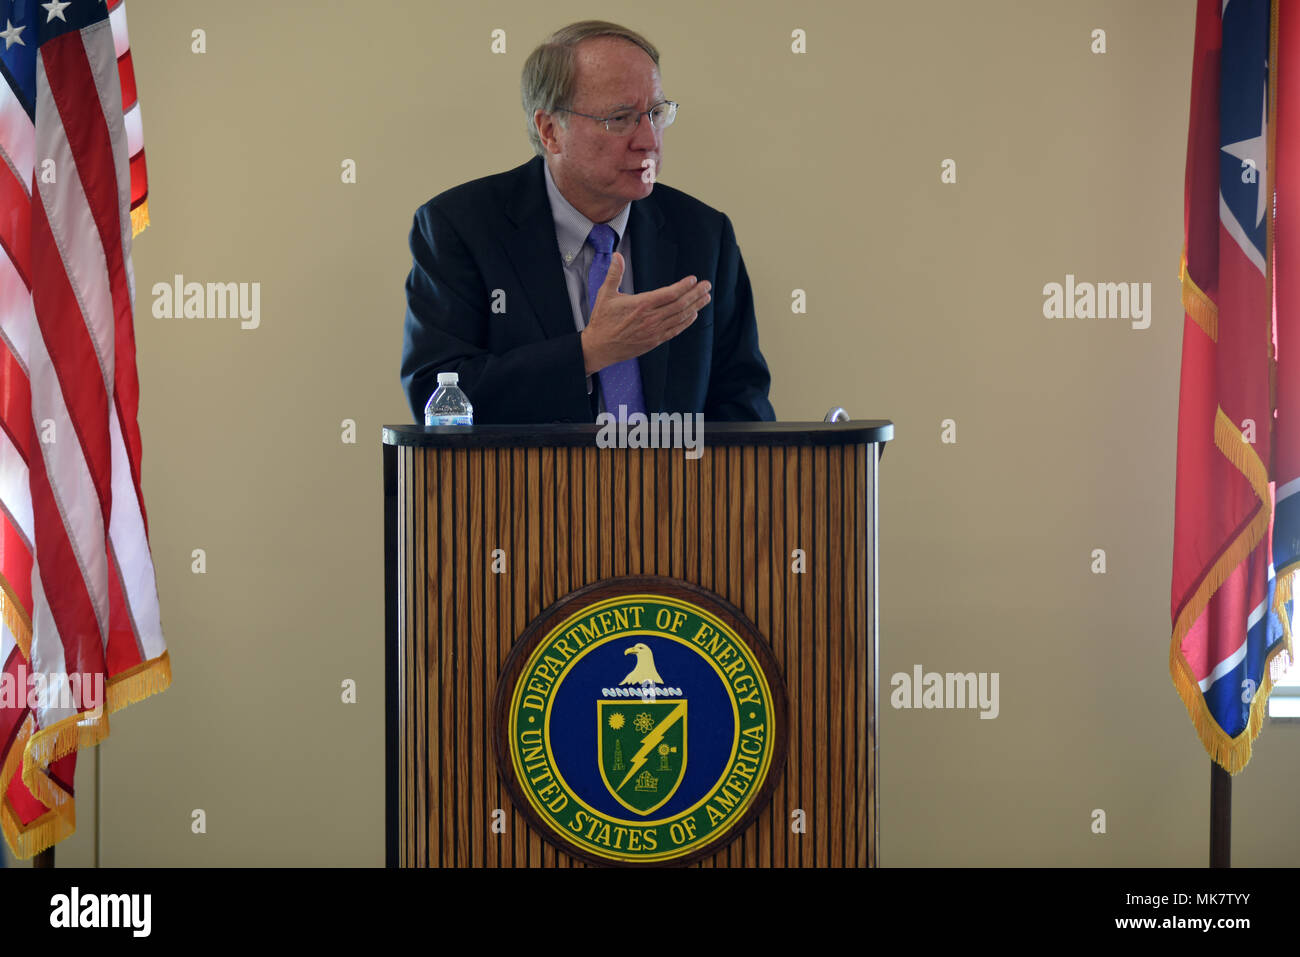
643,722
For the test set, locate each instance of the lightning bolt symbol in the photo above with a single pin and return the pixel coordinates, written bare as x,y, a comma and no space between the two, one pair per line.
651,739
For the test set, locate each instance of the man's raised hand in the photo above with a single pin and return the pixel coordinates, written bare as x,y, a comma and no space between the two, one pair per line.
626,326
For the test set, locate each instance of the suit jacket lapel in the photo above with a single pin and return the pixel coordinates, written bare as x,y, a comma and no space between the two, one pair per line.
654,264
536,257
535,253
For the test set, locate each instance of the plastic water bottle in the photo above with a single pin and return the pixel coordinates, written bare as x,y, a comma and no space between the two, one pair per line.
448,405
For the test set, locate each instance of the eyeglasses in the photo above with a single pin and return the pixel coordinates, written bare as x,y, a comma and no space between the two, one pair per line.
661,116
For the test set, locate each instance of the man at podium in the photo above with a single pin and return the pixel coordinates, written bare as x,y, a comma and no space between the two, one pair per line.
506,269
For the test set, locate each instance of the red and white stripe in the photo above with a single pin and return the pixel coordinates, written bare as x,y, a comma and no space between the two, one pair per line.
74,547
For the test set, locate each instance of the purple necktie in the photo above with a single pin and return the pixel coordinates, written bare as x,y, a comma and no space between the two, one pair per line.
621,382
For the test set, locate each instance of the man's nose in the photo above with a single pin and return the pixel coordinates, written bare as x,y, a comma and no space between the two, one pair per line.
644,136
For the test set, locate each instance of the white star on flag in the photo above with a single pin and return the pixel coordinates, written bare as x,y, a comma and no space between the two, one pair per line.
12,34
1255,151
56,9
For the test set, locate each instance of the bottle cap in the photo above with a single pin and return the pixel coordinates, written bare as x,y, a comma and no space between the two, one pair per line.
448,378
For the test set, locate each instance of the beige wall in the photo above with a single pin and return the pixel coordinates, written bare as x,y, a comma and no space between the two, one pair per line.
924,303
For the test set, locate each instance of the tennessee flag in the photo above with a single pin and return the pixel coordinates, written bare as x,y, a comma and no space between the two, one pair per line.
1239,405
80,635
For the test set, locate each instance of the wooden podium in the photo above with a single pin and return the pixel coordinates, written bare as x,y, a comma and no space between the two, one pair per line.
486,527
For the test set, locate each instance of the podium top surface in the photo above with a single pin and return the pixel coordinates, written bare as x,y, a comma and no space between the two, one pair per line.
864,431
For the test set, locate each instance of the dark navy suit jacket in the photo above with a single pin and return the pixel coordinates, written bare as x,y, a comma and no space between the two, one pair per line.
525,365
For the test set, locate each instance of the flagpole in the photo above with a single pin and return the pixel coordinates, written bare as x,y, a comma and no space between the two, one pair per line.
1220,816
98,748
44,859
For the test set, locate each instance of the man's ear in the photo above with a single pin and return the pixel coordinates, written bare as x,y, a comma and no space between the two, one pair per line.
547,129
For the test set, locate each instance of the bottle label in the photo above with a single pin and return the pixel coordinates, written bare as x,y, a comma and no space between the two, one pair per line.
448,420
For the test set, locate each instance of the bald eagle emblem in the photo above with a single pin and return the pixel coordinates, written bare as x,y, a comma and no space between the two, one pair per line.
690,722
633,730
644,672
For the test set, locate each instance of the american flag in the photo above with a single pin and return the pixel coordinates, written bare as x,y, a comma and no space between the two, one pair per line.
1231,609
80,635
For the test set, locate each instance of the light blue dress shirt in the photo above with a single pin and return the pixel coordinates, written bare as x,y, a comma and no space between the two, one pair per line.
571,232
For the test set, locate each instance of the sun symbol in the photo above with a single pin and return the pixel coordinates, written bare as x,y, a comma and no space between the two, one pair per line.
616,720
643,722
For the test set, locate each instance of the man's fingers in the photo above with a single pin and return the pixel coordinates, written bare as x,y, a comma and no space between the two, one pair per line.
666,295
679,307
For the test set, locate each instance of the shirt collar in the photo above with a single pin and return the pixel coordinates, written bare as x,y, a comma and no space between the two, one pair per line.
571,227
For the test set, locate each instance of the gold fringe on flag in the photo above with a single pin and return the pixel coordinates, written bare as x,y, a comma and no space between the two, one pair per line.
48,829
40,749
1232,754
1281,596
1198,306
1242,455
136,684
15,618
139,218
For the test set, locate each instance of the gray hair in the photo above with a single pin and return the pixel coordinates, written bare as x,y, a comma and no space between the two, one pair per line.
550,70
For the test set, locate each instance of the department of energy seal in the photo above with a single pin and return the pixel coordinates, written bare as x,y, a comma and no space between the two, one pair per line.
640,721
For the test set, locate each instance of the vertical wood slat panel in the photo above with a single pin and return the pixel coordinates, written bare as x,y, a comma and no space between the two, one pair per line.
579,493
817,636
405,733
719,522
446,507
449,555
780,549
760,504
539,852
433,668
790,650
417,817
871,846
672,511
591,538
691,498
541,558
577,515
862,756
604,531
551,488
413,813
850,683
803,684
658,519
834,665
495,798
712,506
740,566
405,770
724,508
616,529
506,617
520,506
469,831
431,671
632,537
548,492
